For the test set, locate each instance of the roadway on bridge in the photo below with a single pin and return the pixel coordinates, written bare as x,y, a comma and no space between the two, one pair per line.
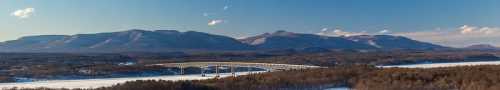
267,66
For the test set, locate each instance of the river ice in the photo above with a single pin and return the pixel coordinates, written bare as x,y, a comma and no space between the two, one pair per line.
436,65
95,83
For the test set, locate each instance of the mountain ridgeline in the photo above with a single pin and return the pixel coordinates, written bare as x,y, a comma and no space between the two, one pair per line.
171,40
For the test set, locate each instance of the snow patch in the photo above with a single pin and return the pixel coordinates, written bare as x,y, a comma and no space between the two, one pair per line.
371,42
258,41
137,37
71,39
102,43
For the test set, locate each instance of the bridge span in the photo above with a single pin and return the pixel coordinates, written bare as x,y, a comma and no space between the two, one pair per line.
232,65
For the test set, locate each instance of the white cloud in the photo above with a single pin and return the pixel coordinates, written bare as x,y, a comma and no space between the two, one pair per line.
385,31
205,14
23,13
208,14
225,8
215,22
339,32
324,30
458,37
466,29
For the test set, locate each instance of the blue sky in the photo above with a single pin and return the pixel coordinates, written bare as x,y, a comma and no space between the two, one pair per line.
428,20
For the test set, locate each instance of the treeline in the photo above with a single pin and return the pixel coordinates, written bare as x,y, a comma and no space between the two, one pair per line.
59,65
458,78
380,58
334,58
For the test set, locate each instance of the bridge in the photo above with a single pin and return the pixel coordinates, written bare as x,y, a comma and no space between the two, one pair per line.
267,66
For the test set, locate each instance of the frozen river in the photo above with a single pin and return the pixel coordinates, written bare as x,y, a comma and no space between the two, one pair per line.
95,83
436,65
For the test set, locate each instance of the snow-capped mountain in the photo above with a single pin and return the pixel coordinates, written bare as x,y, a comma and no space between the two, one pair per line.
172,40
482,47
392,42
132,40
288,40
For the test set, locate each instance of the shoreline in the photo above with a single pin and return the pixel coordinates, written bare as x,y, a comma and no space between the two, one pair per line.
96,83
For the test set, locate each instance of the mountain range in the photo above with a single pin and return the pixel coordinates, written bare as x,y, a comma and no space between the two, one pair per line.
172,40
482,47
287,40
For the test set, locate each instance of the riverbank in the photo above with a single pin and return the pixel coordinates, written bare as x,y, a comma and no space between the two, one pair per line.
95,83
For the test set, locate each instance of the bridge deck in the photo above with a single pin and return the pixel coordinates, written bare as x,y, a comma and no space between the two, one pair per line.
268,66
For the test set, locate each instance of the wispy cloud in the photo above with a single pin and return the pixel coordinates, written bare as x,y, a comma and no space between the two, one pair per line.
215,22
339,32
458,37
466,29
225,7
23,13
206,14
385,31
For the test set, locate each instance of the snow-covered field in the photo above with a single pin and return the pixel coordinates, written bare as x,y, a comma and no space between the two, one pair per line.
436,65
94,83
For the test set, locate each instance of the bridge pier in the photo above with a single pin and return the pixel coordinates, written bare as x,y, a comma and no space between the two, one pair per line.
202,71
182,70
217,75
249,69
269,67
233,73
